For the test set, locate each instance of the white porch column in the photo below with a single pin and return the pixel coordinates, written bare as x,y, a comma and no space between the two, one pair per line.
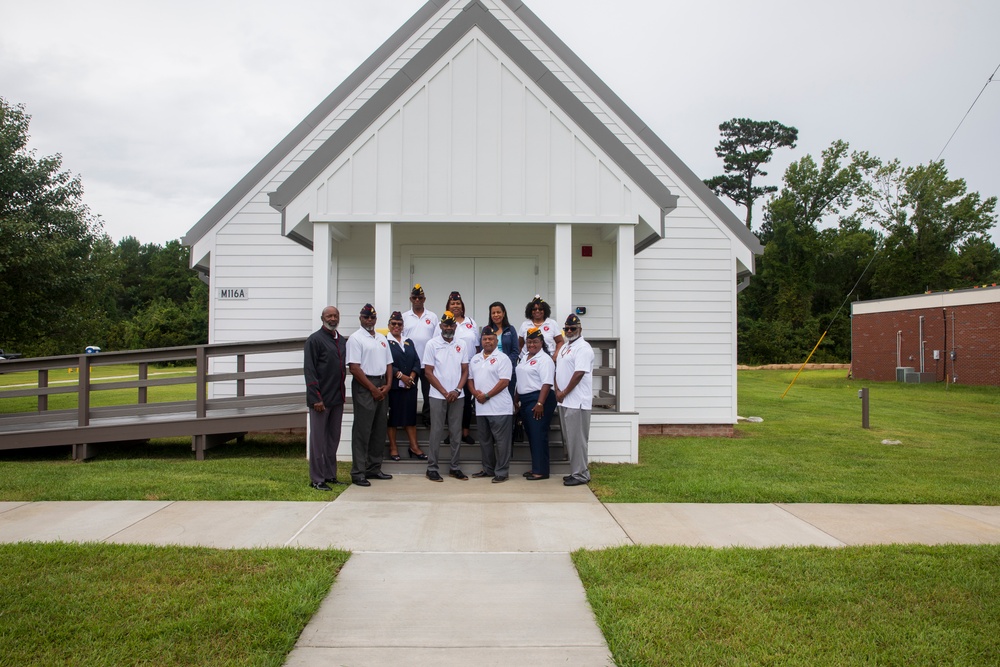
324,273
383,273
562,300
624,297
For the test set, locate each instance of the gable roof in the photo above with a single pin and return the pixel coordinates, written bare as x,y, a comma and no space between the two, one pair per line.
475,14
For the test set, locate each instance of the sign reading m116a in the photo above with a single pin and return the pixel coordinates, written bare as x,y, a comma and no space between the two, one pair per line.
233,293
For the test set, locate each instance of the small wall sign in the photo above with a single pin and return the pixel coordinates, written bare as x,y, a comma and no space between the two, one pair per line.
233,294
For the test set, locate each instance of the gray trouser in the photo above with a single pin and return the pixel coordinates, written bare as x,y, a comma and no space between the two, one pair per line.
368,433
324,438
494,434
575,425
443,412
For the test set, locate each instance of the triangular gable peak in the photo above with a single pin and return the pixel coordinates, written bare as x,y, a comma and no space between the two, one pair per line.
399,53
473,139
532,76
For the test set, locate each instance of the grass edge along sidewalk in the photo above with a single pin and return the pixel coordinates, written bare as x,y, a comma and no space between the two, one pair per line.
875,605
101,604
928,444
809,448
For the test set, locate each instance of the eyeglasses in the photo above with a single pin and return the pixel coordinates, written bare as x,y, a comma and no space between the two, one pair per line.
395,324
418,298
368,317
571,328
538,308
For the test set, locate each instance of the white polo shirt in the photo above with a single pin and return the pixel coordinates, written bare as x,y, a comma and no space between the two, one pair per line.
468,330
573,357
534,373
550,329
486,372
370,352
447,360
420,329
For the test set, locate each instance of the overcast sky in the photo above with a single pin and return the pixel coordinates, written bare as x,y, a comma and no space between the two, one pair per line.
161,107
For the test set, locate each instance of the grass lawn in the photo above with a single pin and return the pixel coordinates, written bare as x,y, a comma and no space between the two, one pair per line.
102,604
811,448
265,467
886,605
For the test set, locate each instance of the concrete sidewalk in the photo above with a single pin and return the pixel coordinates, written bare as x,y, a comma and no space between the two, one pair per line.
474,572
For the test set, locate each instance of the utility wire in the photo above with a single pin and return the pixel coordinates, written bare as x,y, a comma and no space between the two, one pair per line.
878,247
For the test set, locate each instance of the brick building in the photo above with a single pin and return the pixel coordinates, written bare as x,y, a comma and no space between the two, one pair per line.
960,332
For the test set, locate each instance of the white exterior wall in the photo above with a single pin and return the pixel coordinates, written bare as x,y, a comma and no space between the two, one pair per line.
684,284
686,327
250,253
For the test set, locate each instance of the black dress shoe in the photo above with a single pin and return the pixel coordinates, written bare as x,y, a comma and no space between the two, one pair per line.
379,475
527,474
497,480
481,473
467,439
362,482
573,481
566,478
320,486
533,477
458,474
434,476
336,481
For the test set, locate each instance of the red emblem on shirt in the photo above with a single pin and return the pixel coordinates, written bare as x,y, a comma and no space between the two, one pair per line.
383,344
427,321
532,362
545,328
493,361
458,348
468,325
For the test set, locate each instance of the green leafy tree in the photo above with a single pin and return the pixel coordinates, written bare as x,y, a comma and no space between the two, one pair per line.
936,231
745,146
804,266
160,302
53,252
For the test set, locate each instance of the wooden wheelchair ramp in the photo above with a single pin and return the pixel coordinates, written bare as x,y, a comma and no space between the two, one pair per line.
244,378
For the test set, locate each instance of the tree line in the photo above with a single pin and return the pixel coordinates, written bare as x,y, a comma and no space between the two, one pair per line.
842,227
64,284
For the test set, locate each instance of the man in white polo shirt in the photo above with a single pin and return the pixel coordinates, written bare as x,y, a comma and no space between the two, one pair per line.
575,394
446,362
420,325
370,362
489,375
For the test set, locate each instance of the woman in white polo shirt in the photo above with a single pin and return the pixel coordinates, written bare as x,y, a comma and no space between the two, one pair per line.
536,401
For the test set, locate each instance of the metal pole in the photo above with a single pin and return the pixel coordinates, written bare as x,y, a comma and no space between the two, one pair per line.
863,395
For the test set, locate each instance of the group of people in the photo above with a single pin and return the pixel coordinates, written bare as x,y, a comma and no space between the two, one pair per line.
509,375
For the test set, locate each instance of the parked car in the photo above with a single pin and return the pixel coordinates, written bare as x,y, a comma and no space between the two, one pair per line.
9,355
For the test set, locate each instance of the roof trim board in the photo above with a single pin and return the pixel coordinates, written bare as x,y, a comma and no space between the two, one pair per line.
475,14
558,47
311,122
636,124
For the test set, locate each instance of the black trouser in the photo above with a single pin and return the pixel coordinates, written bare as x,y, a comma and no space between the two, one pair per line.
368,432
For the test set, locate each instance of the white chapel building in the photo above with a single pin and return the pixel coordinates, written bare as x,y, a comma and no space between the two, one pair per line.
474,151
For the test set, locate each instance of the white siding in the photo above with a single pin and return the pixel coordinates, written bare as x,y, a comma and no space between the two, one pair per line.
473,139
685,327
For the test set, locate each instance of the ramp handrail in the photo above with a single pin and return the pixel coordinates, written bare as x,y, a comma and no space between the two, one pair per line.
200,354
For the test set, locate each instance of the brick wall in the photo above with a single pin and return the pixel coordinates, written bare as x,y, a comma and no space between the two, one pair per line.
974,335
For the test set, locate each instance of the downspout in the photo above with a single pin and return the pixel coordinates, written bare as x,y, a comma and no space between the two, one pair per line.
921,339
944,346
